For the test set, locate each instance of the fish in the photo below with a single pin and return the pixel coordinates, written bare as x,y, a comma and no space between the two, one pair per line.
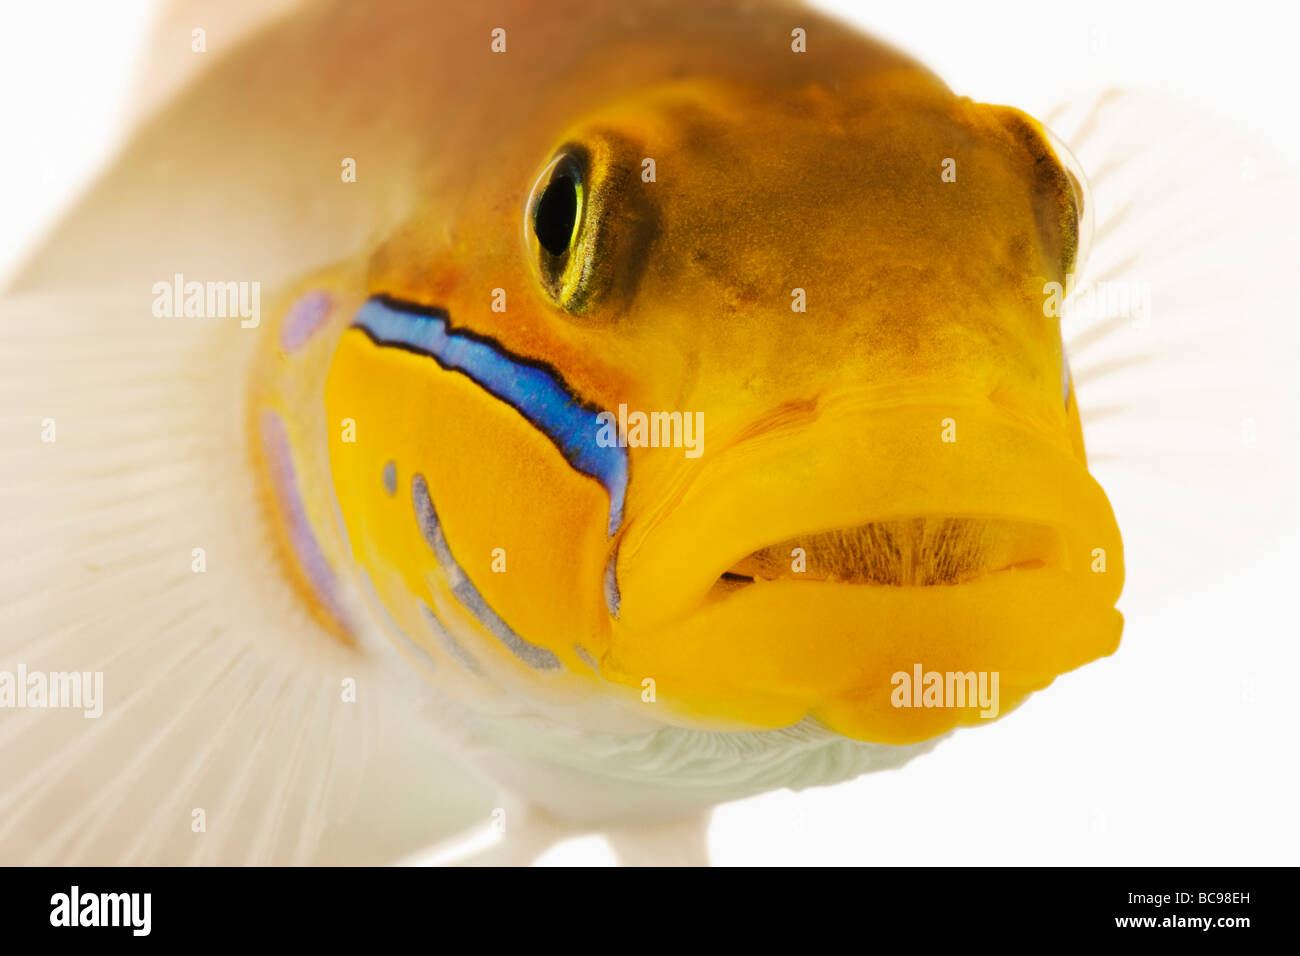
535,420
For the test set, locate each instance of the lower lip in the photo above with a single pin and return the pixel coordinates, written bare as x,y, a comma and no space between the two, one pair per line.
776,652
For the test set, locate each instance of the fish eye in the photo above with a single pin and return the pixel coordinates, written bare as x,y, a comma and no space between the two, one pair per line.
560,241
1082,200
556,209
587,226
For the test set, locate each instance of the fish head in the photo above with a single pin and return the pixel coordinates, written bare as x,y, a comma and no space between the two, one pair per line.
746,400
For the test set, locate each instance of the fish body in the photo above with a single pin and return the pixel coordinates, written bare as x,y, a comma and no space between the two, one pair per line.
654,398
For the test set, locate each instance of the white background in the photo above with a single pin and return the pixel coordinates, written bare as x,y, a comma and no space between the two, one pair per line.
1179,749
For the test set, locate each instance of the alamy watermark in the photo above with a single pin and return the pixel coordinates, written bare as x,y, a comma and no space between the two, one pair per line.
922,688
1092,301
75,908
208,300
53,690
651,430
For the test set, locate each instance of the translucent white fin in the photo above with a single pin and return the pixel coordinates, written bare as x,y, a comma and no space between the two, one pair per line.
679,843
1184,361
172,55
122,450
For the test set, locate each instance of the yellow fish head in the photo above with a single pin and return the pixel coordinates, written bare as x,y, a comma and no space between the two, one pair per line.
748,400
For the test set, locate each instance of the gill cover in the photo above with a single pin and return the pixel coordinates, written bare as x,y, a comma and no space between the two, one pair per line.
469,464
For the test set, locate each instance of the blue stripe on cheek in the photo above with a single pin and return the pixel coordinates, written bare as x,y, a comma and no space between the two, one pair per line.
535,392
463,588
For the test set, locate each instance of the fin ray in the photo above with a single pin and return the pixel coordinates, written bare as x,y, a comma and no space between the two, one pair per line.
220,692
1195,223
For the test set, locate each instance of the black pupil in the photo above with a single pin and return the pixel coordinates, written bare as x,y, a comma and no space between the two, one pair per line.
556,212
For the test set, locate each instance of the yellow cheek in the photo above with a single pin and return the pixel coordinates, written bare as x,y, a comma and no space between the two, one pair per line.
526,529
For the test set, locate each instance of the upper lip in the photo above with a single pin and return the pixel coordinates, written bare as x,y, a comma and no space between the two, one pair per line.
856,469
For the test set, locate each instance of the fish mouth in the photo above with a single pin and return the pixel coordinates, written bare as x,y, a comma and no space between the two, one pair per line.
906,552
868,497
797,575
